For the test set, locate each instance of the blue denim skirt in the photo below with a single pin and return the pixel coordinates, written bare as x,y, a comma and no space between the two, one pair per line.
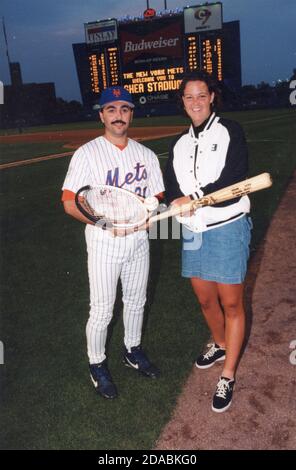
220,254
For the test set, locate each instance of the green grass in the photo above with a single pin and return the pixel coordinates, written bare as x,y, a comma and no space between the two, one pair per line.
47,399
26,151
137,122
51,128
179,120
22,151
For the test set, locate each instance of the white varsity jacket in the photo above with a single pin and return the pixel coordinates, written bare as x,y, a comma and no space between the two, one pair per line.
203,160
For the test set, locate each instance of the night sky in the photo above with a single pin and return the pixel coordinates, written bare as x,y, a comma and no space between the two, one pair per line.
41,33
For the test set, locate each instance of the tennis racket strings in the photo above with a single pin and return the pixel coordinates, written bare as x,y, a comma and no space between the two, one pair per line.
115,206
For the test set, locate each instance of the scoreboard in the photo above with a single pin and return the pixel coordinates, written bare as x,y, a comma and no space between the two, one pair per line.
98,72
104,69
150,57
151,81
205,52
153,61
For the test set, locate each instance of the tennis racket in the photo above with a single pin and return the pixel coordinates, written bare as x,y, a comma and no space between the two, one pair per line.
110,206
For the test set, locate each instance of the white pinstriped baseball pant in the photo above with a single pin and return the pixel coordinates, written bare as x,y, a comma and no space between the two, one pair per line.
109,259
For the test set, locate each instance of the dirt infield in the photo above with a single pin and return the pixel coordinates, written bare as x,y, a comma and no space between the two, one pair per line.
77,138
263,412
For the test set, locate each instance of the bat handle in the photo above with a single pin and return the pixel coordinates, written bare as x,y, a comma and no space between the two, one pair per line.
174,210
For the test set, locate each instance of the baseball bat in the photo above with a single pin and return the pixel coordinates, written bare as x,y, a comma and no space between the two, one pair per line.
233,191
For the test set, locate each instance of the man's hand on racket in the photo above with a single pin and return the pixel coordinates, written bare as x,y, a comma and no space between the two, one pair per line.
151,203
123,232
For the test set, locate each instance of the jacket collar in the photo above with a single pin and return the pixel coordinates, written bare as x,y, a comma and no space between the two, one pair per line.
208,121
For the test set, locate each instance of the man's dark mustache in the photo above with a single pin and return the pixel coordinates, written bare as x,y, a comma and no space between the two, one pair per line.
118,122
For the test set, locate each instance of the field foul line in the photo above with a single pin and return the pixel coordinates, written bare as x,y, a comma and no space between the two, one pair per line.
273,118
266,140
34,160
29,161
163,155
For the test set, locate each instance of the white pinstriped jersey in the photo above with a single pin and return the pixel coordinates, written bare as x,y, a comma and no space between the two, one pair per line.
135,168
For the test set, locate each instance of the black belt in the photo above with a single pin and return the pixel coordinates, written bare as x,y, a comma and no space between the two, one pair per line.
227,220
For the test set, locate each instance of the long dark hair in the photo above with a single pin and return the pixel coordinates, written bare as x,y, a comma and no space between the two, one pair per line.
201,76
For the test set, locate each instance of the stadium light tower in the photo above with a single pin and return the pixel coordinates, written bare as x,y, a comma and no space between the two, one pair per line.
6,42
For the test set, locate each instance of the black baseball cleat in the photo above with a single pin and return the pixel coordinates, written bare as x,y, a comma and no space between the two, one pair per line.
214,354
102,380
137,359
223,396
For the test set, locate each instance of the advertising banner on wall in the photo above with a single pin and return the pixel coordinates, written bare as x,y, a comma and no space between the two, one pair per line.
100,32
151,46
203,18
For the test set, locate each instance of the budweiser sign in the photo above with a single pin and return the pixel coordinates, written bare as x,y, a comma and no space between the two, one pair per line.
166,42
148,45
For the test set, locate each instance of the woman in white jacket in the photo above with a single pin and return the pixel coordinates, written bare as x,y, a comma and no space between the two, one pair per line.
210,155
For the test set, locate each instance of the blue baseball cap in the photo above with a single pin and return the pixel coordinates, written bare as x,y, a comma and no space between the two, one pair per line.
115,93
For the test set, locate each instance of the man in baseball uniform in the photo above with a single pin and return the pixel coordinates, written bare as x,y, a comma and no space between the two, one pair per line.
116,160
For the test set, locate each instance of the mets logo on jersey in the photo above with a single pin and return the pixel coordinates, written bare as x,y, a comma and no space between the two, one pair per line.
116,92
